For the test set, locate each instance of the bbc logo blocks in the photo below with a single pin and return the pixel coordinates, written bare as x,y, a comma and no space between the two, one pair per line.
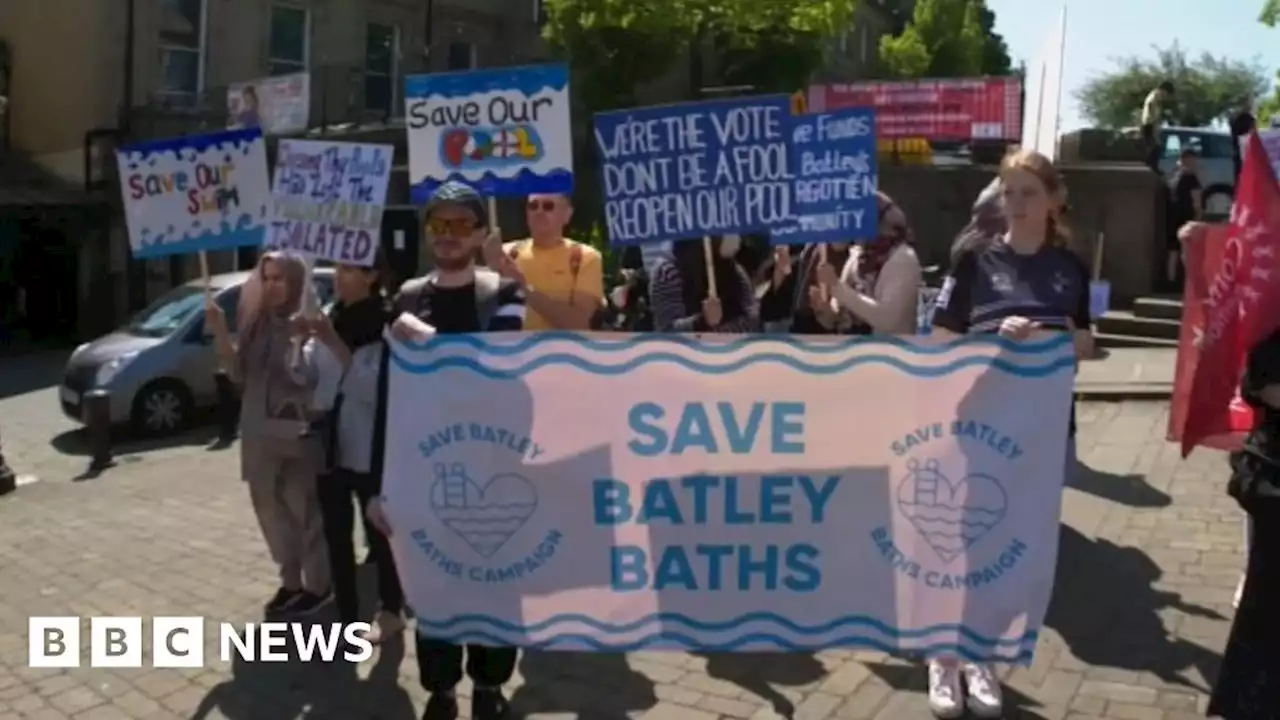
176,642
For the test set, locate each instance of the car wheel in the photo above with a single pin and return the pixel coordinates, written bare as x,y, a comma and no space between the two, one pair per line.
162,408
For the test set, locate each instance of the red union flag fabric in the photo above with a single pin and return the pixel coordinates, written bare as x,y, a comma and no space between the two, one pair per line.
953,109
1237,306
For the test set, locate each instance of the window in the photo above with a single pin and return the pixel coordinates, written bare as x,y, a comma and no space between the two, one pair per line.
381,49
182,48
462,56
289,40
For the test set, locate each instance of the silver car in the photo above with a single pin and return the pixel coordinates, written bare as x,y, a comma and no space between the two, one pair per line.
159,368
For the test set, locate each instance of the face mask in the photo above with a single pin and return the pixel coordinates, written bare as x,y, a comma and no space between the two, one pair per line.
729,246
618,296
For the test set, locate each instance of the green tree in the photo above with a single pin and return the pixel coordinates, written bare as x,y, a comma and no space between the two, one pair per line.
1207,88
946,38
1270,13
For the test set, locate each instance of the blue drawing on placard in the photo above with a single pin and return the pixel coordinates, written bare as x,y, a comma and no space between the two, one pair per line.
951,515
484,514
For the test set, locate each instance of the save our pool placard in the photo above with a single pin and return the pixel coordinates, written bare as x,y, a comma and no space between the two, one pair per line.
198,193
329,198
504,131
834,177
676,172
730,514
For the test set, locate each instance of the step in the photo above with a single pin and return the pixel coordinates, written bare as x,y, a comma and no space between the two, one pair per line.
1123,322
1110,340
1158,308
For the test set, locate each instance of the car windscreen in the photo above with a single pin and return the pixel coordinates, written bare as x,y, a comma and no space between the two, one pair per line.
168,313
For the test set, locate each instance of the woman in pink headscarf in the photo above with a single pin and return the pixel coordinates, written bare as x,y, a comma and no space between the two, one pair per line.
279,459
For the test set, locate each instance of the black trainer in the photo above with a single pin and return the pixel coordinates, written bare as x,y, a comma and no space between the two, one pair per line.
489,704
308,602
283,598
441,706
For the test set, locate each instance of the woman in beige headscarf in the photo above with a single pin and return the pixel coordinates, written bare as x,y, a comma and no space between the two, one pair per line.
278,459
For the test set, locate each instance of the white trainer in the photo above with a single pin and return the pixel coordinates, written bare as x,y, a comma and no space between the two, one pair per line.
945,698
983,688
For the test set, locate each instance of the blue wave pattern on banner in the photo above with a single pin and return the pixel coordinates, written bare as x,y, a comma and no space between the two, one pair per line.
197,143
525,79
841,345
558,181
206,242
464,363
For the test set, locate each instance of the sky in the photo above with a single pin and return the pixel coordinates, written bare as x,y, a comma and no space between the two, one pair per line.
1099,30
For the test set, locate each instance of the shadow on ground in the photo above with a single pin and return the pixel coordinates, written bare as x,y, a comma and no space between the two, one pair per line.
77,442
1129,490
31,372
1109,616
759,672
589,686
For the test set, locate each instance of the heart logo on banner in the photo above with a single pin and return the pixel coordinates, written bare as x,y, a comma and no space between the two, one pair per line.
485,515
950,515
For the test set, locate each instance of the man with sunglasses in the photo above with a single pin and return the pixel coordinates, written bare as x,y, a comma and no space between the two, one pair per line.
457,297
563,280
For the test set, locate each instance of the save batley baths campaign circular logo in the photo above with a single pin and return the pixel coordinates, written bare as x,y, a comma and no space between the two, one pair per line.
483,505
955,513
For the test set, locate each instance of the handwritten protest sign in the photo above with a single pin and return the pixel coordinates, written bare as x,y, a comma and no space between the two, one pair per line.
833,163
192,194
684,171
503,131
329,198
715,502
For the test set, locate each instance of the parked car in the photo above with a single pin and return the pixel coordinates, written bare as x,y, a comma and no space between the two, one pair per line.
1217,164
159,367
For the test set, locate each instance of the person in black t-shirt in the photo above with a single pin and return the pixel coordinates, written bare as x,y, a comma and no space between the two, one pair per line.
1012,285
457,297
1185,206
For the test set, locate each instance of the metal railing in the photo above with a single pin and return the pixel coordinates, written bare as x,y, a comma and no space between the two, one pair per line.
341,95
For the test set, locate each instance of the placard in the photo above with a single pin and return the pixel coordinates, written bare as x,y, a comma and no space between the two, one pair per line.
833,163
716,501
678,172
504,131
198,193
329,198
278,105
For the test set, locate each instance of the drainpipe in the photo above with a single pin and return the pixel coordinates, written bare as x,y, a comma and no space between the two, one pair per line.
130,45
428,33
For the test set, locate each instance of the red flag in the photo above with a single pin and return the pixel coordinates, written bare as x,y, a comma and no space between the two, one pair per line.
1241,303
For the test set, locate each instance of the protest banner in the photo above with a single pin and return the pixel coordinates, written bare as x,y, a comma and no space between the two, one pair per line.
834,168
1236,309
504,131
328,199
677,172
277,105
195,194
718,499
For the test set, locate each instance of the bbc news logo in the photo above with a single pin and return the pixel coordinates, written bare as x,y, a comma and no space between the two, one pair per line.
179,642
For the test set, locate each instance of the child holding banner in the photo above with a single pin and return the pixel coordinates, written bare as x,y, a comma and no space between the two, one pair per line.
684,301
1012,285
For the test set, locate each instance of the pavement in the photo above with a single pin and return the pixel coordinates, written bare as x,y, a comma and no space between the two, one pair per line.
1150,554
1128,374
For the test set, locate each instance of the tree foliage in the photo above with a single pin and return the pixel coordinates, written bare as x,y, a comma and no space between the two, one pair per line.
947,38
1270,13
617,45
1207,88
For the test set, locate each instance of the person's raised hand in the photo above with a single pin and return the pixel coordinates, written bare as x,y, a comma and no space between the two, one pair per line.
712,311
781,264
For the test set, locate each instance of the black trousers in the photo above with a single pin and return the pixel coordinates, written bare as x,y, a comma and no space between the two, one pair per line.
1151,147
5,471
440,665
336,491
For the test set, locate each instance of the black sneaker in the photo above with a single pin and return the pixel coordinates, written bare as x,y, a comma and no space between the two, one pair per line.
489,704
283,598
441,706
307,603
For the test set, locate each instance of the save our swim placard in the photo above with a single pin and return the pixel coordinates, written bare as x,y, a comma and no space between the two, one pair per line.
198,193
732,494
329,199
504,131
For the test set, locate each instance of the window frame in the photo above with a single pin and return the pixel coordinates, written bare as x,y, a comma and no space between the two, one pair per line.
472,56
201,51
277,66
393,70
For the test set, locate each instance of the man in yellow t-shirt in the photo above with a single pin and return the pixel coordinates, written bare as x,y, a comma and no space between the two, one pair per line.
564,279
